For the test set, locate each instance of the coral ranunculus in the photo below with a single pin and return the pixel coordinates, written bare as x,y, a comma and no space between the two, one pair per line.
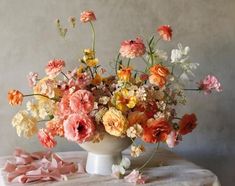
158,75
156,131
165,32
46,139
82,101
87,16
114,122
187,123
132,48
54,67
79,127
15,97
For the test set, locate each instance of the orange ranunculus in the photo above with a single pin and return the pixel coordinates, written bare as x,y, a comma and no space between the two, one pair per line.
15,97
187,123
158,75
165,32
137,117
156,130
124,74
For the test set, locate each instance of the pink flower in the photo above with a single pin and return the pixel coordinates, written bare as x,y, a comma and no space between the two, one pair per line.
46,139
132,48
87,16
32,78
79,127
82,101
173,139
135,177
165,32
64,107
210,83
54,67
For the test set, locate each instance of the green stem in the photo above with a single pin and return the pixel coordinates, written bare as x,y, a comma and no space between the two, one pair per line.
128,62
64,75
89,68
93,36
133,141
28,95
191,89
117,63
150,158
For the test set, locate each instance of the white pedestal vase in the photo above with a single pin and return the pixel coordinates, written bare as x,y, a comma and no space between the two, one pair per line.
102,155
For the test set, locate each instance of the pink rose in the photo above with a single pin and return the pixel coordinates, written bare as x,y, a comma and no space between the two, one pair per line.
210,83
173,139
135,177
46,139
132,48
32,78
82,101
87,16
54,67
79,127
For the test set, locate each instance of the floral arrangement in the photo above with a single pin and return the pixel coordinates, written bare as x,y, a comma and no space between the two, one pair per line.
83,103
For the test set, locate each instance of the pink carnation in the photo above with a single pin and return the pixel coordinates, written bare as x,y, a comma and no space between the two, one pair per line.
135,177
32,78
79,127
165,32
132,48
87,16
210,83
173,139
82,101
64,107
54,67
46,139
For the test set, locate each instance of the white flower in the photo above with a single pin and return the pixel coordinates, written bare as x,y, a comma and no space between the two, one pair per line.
118,171
104,100
161,105
33,108
137,150
180,54
161,54
159,115
141,93
126,163
134,131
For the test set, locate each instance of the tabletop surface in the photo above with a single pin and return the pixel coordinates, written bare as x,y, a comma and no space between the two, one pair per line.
165,169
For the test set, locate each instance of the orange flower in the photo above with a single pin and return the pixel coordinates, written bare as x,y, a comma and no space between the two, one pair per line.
55,127
156,131
97,80
158,75
137,117
87,16
124,74
165,32
187,123
15,97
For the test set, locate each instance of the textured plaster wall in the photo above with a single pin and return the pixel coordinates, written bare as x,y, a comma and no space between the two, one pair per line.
28,39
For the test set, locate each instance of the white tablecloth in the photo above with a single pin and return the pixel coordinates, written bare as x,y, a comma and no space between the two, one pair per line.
174,171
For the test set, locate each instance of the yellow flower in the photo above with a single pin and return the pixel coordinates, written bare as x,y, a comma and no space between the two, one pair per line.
114,122
24,123
92,62
89,54
124,100
80,70
124,74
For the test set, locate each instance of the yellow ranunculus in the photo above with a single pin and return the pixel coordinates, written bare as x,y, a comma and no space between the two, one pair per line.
114,122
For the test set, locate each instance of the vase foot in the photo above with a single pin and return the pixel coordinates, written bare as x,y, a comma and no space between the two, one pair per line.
101,164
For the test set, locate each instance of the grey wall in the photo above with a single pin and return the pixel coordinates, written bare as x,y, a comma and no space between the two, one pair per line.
28,39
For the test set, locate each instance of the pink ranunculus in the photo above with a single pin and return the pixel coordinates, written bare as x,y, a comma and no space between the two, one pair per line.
165,32
46,139
32,78
87,16
54,67
79,127
210,83
173,139
135,177
132,48
82,101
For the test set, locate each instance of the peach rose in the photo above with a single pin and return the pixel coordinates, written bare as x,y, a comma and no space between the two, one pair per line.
165,32
46,139
15,97
187,123
114,122
156,131
87,16
54,67
79,127
137,117
158,75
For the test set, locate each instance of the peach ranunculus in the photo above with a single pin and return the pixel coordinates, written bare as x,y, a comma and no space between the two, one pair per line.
79,127
187,123
82,101
156,130
15,97
87,16
54,67
114,122
158,75
137,117
132,48
165,32
55,127
46,139
124,74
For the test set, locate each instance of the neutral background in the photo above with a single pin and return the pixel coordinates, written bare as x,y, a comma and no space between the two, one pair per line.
28,39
